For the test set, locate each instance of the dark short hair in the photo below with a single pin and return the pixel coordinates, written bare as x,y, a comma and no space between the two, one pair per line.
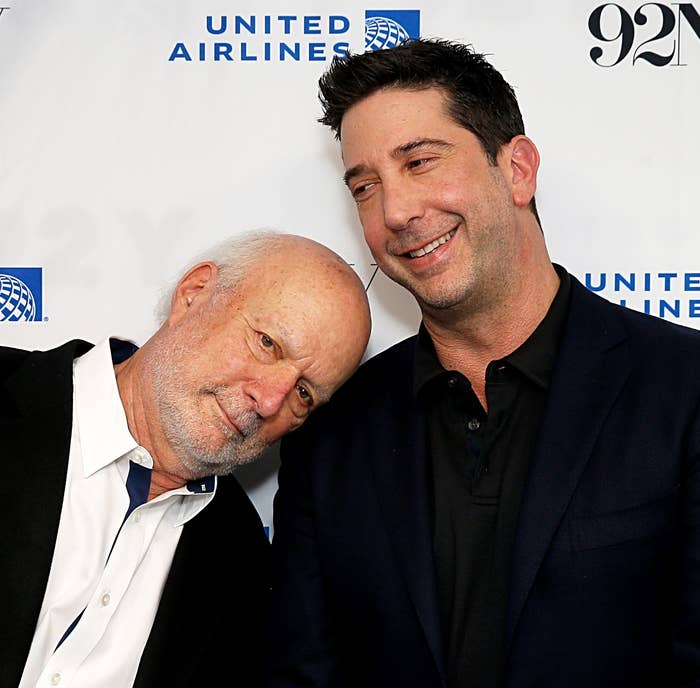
478,97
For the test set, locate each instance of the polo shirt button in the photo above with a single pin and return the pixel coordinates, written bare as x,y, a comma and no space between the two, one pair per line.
105,599
55,679
473,424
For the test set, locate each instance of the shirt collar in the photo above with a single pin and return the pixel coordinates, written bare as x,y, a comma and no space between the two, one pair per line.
534,358
426,365
103,430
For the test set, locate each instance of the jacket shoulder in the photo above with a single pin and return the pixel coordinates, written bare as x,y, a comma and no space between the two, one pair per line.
11,359
643,330
389,369
22,369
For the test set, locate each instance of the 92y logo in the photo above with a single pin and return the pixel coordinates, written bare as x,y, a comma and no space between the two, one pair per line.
658,44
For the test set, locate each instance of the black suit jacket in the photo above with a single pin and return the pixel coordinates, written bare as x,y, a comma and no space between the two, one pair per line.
605,581
209,618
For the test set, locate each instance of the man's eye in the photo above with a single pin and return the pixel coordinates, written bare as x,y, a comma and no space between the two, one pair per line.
266,341
413,164
361,190
304,395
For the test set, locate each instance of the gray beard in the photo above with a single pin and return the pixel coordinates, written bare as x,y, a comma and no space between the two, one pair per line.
179,423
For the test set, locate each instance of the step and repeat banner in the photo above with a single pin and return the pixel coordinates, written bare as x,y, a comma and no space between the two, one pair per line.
133,135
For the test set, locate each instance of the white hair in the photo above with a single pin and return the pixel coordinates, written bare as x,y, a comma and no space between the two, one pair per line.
233,257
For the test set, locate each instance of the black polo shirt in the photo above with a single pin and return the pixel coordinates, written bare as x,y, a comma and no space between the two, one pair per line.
480,463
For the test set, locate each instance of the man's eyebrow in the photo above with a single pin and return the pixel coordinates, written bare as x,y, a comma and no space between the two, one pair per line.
353,172
418,144
399,152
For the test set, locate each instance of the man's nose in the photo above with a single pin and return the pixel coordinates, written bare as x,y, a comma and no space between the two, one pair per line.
401,204
271,389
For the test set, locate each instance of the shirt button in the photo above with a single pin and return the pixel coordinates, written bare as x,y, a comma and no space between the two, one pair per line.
137,517
55,679
473,424
451,382
105,599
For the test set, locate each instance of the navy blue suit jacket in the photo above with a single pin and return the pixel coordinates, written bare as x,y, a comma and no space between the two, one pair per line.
209,619
605,581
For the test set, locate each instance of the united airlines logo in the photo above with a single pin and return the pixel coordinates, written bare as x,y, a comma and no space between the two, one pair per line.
20,294
387,28
238,38
266,38
671,295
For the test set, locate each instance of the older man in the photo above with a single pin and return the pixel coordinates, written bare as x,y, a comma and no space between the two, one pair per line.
126,561
511,498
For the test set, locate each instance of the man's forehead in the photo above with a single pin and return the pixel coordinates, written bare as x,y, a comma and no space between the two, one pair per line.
396,129
395,110
438,95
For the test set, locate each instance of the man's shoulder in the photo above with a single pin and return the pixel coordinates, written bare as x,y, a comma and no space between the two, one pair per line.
641,328
391,368
13,360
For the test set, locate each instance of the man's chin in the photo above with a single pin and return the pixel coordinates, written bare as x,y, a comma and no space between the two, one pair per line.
203,464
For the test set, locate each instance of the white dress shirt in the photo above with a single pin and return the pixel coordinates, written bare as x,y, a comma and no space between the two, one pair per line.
115,594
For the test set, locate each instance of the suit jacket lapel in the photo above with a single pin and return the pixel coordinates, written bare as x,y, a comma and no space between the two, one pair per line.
402,474
186,609
590,372
194,620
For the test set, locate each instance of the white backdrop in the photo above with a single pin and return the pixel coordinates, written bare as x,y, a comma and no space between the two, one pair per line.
121,159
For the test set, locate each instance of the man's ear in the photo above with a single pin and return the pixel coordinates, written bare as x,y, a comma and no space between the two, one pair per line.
521,161
194,289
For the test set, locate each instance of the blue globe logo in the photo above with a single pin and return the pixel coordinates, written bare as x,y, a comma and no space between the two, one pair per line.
16,299
382,32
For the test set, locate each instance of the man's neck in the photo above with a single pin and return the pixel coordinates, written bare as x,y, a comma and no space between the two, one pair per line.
144,428
469,341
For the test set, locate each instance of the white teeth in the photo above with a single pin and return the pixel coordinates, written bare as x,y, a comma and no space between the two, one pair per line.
432,245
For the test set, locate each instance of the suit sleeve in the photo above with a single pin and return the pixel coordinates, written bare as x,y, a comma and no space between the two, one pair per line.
300,644
686,641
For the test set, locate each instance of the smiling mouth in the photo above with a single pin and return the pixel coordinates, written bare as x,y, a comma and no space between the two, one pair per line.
429,248
229,419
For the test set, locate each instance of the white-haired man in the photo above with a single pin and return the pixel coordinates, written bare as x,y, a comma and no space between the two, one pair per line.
128,560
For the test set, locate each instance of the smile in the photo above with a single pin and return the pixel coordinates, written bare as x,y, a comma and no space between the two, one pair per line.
229,419
429,248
